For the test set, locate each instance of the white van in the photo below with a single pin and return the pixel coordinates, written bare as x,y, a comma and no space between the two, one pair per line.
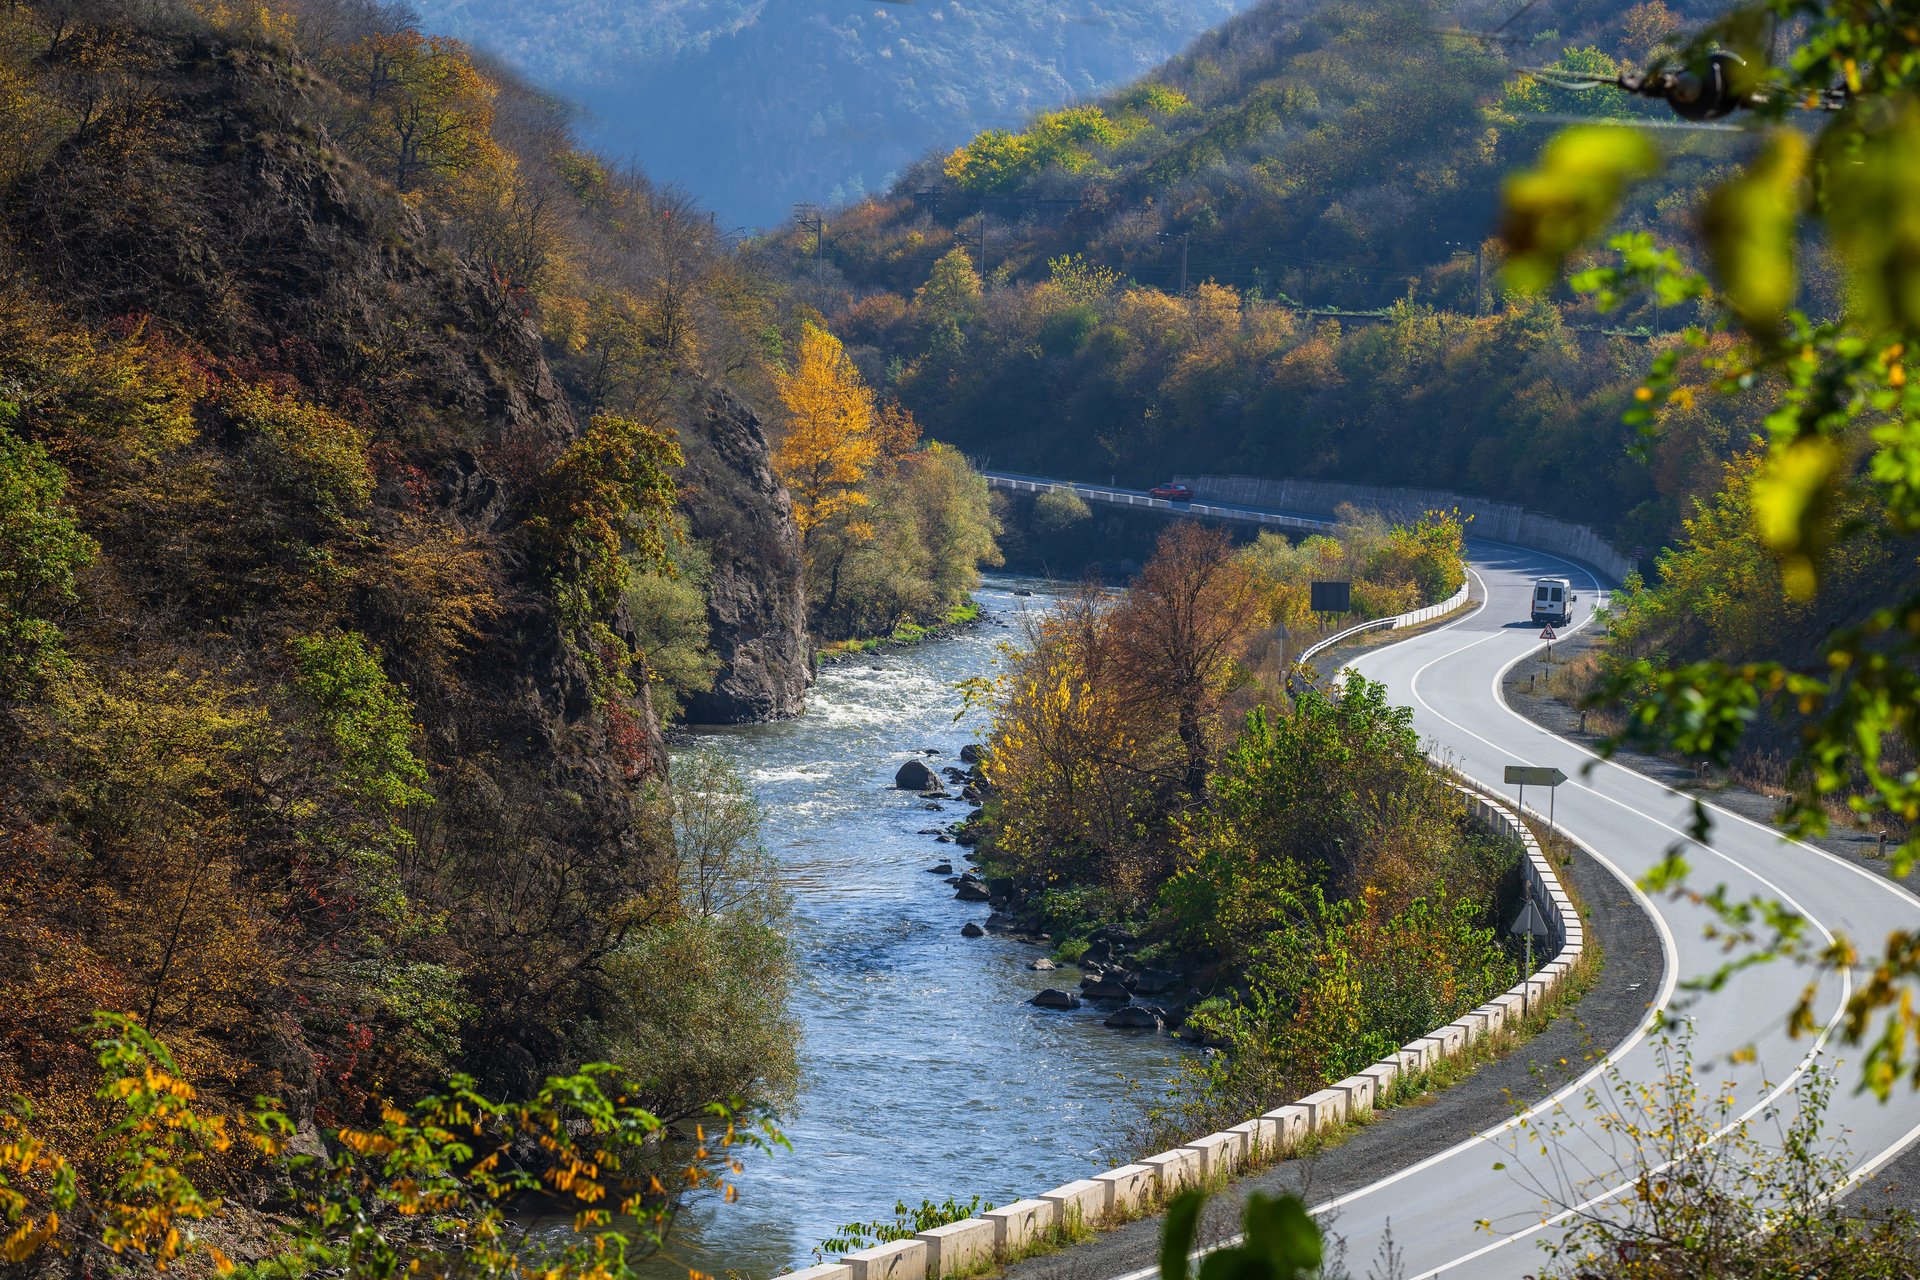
1553,601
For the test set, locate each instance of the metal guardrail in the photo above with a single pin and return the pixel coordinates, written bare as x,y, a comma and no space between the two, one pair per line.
1123,498
1411,618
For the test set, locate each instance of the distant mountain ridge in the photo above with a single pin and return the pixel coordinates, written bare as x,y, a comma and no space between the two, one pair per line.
754,105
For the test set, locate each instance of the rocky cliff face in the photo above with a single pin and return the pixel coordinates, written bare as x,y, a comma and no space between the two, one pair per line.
756,607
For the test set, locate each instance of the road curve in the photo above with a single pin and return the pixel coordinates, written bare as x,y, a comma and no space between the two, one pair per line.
1480,1209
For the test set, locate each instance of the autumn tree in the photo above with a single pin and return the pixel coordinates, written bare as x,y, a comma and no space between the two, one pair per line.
948,303
829,445
609,494
425,112
1183,623
826,454
1078,769
1107,723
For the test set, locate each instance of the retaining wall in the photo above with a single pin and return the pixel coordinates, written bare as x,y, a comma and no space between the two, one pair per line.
1110,1198
1497,521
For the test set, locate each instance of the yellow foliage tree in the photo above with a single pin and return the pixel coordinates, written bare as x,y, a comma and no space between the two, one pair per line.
426,111
830,444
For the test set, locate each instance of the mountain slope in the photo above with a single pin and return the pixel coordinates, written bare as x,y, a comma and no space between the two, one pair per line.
326,749
1277,256
755,104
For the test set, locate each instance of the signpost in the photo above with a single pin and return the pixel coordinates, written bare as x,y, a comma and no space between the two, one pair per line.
1548,635
1540,775
1529,924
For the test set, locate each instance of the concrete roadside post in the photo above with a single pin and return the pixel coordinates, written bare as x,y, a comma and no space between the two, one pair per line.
958,1248
896,1260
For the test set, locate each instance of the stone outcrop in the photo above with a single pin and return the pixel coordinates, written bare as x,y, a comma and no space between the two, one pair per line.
756,605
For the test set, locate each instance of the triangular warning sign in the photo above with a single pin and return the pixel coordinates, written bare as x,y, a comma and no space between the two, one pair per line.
1548,633
1529,921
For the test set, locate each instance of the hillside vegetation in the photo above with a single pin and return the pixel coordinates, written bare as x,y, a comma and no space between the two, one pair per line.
348,410
1330,180
759,104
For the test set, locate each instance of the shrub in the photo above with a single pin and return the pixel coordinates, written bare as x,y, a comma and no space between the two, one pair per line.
41,551
303,449
368,719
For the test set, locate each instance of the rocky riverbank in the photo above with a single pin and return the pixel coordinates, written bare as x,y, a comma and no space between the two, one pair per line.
1112,976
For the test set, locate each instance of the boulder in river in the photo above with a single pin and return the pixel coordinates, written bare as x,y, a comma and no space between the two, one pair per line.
1104,988
941,868
970,890
914,775
1152,982
1134,1017
1043,965
972,930
972,753
1053,999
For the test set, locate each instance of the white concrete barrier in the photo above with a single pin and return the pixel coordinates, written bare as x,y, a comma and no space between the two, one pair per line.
895,1260
955,1249
1325,1108
1259,1139
1219,1153
1359,1091
1131,1188
1020,1224
1294,1123
1178,1170
1383,1074
1083,1202
825,1271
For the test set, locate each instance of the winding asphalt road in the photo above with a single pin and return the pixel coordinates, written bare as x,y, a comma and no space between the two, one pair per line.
1480,1208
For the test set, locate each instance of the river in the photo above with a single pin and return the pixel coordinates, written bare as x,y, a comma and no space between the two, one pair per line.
926,1072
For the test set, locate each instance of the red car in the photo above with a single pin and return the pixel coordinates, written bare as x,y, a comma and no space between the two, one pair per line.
1173,492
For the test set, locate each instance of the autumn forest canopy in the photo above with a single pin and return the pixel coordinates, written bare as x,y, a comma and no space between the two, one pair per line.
386,477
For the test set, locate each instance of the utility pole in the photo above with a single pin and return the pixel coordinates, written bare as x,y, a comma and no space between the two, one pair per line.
1480,278
983,246
813,218
1184,236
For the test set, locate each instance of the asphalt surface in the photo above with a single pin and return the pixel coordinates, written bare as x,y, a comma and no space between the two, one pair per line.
1480,1207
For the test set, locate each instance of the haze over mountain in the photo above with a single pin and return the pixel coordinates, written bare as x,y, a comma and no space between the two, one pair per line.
754,105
